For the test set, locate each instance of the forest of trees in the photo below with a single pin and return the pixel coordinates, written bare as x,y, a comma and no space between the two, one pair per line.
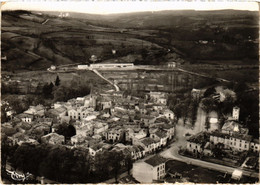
185,107
66,165
46,95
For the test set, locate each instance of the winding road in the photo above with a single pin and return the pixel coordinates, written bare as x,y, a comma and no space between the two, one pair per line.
172,153
116,87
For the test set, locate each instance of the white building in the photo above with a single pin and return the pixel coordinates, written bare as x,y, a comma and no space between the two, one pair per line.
235,141
235,113
112,65
168,114
171,64
26,117
82,67
150,170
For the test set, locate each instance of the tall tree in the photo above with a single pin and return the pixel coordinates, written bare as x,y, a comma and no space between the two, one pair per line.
177,109
209,91
57,81
208,105
47,90
116,159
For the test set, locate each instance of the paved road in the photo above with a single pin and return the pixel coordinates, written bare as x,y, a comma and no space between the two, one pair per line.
116,87
45,21
172,153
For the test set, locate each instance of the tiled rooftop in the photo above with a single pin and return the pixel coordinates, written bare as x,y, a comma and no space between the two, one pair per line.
155,160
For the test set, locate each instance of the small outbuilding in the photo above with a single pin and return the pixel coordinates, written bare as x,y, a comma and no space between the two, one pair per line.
237,174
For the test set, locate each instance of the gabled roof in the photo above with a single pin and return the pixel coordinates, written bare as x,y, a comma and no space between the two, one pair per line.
53,135
166,126
147,141
162,119
44,119
24,115
234,126
160,133
256,141
61,109
155,160
38,107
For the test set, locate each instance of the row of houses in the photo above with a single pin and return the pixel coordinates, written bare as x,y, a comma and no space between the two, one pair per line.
231,136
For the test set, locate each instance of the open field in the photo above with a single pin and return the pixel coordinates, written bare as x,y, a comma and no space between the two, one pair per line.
197,174
31,41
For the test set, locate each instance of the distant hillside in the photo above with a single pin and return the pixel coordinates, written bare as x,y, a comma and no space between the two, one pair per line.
36,40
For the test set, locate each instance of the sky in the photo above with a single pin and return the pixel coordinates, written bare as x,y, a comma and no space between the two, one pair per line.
104,7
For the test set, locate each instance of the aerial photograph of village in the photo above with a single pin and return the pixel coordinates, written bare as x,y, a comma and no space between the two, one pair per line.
150,96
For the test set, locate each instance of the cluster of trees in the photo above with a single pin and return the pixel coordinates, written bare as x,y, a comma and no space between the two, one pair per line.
7,88
246,101
183,106
208,104
67,130
18,104
67,165
63,93
57,92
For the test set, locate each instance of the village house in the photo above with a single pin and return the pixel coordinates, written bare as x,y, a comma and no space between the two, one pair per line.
141,108
161,136
195,144
58,104
171,64
169,130
150,170
78,139
115,134
53,138
168,114
90,101
95,148
207,150
25,117
254,145
86,129
38,130
235,141
157,95
235,114
158,107
100,127
149,144
105,103
137,152
47,121
18,138
78,113
135,134
38,110
10,114
60,112
161,120
231,127
146,119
